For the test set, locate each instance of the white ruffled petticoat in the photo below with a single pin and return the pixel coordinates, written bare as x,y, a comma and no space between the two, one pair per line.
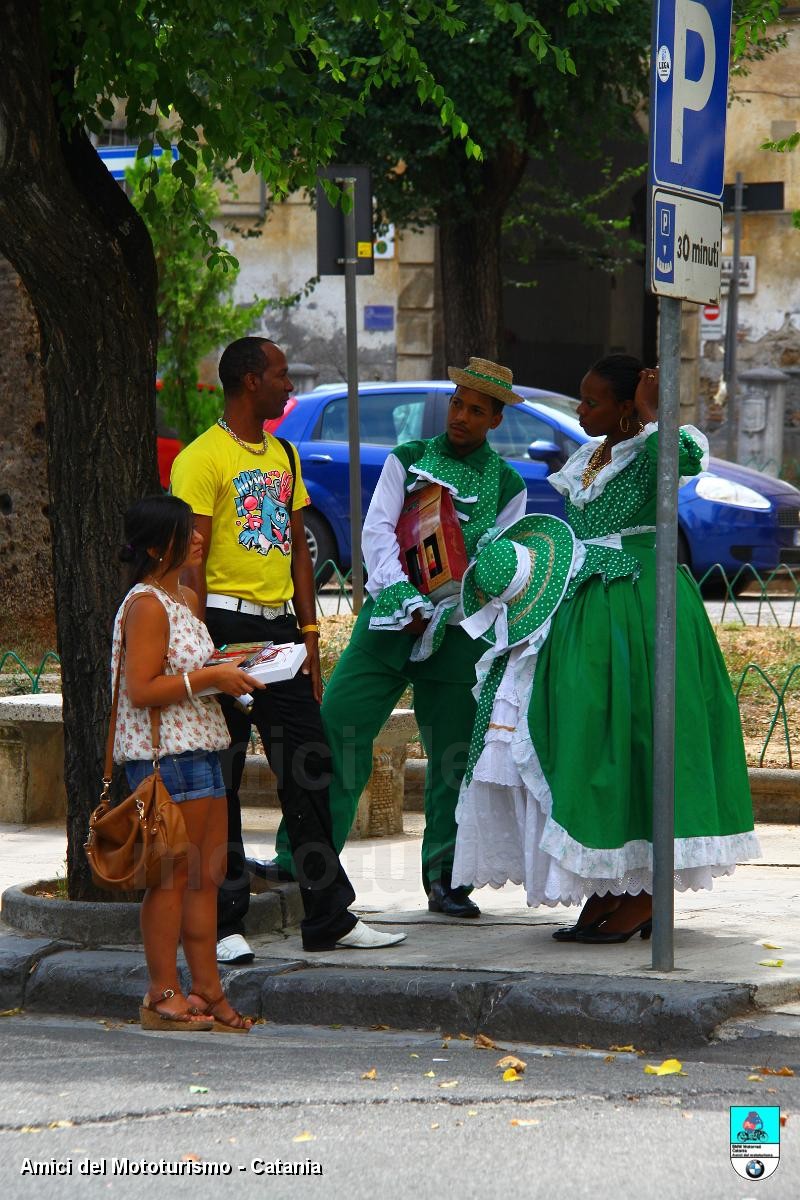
507,835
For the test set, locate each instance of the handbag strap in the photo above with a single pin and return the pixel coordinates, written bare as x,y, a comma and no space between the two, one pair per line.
155,713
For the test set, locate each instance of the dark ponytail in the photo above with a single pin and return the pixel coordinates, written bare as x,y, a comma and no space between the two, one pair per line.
161,524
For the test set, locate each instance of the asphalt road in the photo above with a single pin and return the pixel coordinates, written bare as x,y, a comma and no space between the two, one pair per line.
438,1120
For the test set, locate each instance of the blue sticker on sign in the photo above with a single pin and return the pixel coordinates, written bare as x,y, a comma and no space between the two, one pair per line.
664,271
379,317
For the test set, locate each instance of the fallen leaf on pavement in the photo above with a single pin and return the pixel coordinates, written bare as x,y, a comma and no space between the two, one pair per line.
585,1046
464,1037
687,1116
775,1070
197,1090
625,1049
429,1075
511,1076
784,1119
511,1060
10,1012
754,1079
379,1028
413,1056
31,1129
524,1121
770,962
305,1136
610,1058
450,1083
482,1042
435,1125
771,946
472,1112
60,1125
372,1073
670,1066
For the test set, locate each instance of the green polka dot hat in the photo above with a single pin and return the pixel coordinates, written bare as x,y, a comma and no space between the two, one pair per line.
518,580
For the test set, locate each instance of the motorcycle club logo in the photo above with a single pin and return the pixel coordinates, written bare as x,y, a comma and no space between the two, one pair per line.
755,1140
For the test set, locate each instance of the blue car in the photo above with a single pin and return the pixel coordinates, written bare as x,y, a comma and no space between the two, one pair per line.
729,514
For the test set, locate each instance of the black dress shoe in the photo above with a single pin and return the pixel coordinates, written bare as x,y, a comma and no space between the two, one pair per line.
453,902
267,868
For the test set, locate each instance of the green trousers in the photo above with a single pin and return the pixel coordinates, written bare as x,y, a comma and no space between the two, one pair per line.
357,702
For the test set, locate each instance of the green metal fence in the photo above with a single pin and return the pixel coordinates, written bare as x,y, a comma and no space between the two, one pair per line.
19,667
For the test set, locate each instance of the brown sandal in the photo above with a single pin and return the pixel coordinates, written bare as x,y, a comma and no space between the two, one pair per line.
239,1024
182,1022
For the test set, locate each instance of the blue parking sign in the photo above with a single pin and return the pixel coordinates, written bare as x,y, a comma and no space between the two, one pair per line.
664,265
690,95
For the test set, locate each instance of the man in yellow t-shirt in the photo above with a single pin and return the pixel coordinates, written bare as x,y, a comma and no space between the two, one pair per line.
247,493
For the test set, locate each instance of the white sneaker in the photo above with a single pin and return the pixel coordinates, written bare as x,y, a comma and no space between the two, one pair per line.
234,949
364,937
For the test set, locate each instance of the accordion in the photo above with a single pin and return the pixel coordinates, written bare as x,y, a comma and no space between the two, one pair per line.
432,551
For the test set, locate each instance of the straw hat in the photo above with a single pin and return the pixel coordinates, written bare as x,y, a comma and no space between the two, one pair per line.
483,375
518,580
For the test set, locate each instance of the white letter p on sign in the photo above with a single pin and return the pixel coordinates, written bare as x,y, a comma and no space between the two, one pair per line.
690,16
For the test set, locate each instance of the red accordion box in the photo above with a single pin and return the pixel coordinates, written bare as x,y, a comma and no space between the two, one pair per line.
432,550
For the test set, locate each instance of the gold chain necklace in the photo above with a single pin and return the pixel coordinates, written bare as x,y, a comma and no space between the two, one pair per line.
223,424
595,465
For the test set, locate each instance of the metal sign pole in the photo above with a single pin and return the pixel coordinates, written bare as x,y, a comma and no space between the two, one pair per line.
350,265
663,954
732,323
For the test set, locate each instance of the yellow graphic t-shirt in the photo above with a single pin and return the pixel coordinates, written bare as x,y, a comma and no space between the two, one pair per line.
247,498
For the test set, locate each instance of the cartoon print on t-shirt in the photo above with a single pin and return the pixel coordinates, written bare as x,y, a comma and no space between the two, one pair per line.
262,506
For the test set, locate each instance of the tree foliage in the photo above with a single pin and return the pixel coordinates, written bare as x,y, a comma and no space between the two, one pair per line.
196,310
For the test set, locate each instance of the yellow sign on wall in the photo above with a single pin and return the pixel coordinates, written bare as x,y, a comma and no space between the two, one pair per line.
364,250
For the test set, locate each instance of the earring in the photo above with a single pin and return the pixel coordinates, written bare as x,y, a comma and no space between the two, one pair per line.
624,428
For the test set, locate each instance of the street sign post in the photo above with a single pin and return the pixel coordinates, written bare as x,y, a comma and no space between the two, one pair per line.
345,247
688,106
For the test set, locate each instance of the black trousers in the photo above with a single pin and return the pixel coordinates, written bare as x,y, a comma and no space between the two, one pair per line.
288,719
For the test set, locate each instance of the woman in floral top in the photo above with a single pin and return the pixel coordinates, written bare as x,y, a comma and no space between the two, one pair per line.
561,797
164,645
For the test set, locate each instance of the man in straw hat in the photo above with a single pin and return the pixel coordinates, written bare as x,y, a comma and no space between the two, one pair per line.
403,638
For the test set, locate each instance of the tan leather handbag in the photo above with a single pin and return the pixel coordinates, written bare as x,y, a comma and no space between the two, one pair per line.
134,844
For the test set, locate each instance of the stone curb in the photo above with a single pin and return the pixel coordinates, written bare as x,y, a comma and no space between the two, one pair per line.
112,923
47,976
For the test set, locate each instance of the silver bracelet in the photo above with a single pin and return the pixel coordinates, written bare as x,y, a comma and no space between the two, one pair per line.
188,686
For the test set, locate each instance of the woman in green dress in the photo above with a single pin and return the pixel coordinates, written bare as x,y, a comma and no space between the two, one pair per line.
560,791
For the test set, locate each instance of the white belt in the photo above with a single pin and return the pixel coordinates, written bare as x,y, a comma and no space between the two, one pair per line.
234,604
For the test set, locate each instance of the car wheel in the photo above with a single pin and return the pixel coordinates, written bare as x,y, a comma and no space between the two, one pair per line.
321,545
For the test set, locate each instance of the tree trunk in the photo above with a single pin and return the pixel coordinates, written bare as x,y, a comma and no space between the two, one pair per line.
471,278
87,263
26,562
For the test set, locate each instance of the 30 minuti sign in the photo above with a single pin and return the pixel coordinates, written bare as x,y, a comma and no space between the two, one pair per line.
687,146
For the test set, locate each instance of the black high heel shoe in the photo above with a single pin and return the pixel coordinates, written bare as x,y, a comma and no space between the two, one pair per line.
597,937
569,933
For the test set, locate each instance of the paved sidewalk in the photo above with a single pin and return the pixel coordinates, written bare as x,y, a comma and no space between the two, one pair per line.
719,934
503,972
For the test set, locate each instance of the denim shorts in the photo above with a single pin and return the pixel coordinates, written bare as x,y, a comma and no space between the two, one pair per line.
186,776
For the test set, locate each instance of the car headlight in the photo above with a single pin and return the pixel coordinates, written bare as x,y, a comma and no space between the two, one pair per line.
725,491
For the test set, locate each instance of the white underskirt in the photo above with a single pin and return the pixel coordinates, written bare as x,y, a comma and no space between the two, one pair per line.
507,835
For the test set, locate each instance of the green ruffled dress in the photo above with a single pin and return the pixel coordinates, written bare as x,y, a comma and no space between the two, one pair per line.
591,706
